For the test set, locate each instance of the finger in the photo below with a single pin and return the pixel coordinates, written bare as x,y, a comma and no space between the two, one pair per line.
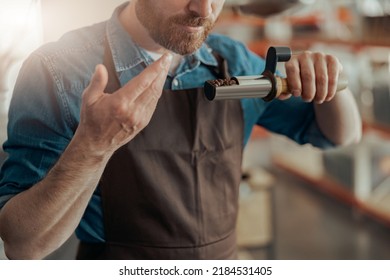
334,69
284,96
145,79
150,97
321,78
154,91
97,84
293,77
307,77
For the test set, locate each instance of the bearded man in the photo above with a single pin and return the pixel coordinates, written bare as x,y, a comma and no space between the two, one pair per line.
110,136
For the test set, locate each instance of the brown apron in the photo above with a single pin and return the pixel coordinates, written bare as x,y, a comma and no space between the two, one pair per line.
172,192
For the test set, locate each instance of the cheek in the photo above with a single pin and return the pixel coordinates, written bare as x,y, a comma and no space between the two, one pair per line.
217,7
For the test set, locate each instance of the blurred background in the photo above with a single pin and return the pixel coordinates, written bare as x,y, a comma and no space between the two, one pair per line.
296,202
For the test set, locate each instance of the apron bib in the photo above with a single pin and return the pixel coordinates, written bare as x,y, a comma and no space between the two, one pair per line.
172,191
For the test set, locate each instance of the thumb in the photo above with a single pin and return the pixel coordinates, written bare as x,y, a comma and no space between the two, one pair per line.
98,81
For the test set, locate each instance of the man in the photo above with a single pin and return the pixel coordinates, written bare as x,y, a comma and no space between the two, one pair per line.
130,154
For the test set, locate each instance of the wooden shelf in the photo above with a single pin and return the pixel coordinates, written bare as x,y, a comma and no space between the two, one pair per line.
334,189
382,129
300,41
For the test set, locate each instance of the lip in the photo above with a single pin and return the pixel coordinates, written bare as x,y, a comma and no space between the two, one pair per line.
192,29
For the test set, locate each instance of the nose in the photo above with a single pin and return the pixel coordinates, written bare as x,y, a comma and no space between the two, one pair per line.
202,8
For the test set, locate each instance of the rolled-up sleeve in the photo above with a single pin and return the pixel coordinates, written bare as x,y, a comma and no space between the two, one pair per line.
38,129
294,119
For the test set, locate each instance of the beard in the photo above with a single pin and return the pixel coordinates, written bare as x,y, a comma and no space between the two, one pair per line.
169,32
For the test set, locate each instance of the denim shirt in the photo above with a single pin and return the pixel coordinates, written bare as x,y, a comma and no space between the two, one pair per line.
45,106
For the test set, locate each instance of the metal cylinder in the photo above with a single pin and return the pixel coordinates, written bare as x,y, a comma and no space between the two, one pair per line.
247,87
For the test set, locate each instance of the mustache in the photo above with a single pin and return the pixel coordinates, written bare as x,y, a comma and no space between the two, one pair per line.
192,20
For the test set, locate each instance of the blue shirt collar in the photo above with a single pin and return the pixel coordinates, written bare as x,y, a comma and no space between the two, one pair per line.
205,56
127,54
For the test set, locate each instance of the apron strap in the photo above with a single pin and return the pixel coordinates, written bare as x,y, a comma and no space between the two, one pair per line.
222,70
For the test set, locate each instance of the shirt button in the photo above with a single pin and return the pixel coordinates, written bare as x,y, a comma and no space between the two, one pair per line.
175,82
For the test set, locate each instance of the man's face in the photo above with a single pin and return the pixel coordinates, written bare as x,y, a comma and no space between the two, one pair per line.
179,25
